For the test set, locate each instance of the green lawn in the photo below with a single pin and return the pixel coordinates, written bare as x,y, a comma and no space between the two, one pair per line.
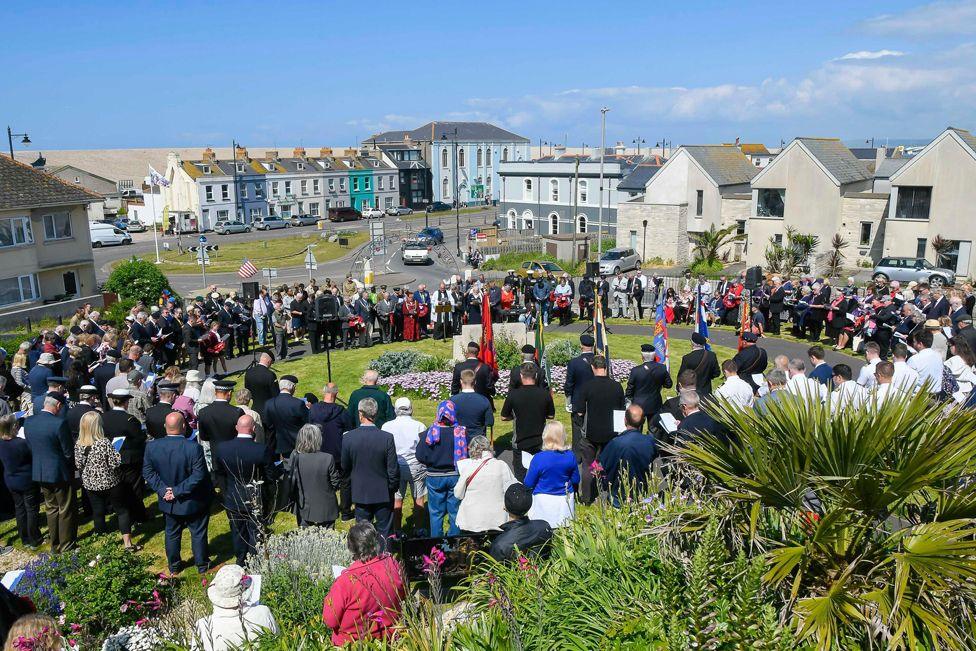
347,369
276,252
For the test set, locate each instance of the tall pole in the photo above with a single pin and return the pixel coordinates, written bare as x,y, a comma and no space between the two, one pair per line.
603,149
152,201
574,220
457,196
10,142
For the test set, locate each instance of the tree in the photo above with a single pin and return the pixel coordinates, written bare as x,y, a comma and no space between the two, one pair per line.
791,255
708,244
835,257
139,280
941,246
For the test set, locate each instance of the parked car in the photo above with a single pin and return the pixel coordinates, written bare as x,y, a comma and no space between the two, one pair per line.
619,259
135,226
107,235
228,226
431,234
270,222
530,267
304,220
920,270
344,214
373,213
396,211
439,206
416,252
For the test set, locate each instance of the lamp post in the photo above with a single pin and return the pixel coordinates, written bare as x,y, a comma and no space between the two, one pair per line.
639,141
644,244
457,199
603,149
10,140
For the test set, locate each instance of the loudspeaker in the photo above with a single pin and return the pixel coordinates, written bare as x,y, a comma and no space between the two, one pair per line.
250,291
754,278
592,269
325,308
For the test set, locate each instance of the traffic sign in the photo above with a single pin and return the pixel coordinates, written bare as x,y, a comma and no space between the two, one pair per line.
310,262
203,258
206,247
203,239
269,272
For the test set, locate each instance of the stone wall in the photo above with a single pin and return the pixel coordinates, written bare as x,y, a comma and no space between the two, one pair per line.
515,331
856,208
667,232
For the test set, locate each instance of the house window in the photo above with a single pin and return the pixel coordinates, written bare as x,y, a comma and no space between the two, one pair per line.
224,192
342,185
388,202
445,189
240,168
209,191
920,245
244,191
633,239
771,202
355,184
78,179
286,211
488,157
740,227
222,215
460,156
581,224
553,224
315,186
866,228
699,202
304,186
379,183
287,188
913,202
512,216
258,191
18,289
527,189
331,185
256,213
366,184
313,209
554,190
444,162
206,169
70,280
480,157
15,230
527,221
584,189
505,154
392,182
778,238
300,167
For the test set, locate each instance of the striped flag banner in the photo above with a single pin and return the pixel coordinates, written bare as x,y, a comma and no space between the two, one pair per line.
247,269
601,346
701,319
540,346
661,336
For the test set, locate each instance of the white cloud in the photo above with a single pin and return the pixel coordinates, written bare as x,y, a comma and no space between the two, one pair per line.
861,55
958,17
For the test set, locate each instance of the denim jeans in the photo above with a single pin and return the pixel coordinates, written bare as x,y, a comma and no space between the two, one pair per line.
259,329
441,503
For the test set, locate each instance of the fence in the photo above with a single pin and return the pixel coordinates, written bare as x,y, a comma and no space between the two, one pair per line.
30,316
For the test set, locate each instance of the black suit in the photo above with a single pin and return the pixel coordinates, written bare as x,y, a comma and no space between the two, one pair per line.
751,360
156,419
484,382
369,460
705,365
101,375
645,384
578,373
122,423
237,464
283,416
73,416
217,422
939,308
52,466
262,382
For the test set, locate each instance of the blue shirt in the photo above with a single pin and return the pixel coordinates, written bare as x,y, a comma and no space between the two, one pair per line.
552,472
474,412
631,449
823,374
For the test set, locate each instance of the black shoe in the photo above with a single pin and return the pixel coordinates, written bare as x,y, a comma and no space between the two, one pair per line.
176,569
348,516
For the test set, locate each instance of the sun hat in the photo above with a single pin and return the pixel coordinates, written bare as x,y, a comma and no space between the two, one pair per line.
231,587
194,376
46,359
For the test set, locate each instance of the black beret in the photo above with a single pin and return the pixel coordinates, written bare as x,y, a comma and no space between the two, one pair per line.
518,499
698,338
528,348
290,378
751,337
586,340
647,348
57,395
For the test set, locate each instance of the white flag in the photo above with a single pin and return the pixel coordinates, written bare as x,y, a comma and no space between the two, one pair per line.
155,178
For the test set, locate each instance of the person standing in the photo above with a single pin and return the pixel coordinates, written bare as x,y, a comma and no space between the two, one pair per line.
751,360
647,380
553,477
601,397
333,420
314,480
474,411
484,379
119,423
445,443
704,364
777,299
530,406
88,401
578,372
280,320
218,421
369,460
156,415
52,468
370,390
283,416
15,456
406,431
98,462
176,471
262,382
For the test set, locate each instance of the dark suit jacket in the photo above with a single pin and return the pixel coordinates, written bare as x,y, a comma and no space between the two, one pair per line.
101,375
751,360
578,373
283,416
515,377
52,449
73,416
705,365
217,422
122,423
176,462
262,382
156,419
369,460
698,424
939,309
314,482
645,384
484,382
238,462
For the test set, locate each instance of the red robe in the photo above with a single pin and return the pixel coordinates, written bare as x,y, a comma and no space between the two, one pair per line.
411,331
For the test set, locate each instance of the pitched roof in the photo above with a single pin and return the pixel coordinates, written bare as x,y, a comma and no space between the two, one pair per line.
889,166
725,165
22,186
837,159
466,132
749,148
966,137
637,180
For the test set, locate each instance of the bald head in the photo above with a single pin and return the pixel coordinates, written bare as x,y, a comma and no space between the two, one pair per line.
634,417
245,425
265,360
174,424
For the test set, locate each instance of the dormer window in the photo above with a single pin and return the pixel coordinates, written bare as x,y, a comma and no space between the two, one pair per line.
206,169
240,168
269,166
300,166
376,163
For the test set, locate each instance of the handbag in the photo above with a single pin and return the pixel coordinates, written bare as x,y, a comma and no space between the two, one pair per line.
467,482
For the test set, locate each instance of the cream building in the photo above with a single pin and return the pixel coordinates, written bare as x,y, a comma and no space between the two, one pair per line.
934,194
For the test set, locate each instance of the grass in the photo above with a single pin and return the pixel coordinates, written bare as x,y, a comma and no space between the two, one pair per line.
281,251
347,369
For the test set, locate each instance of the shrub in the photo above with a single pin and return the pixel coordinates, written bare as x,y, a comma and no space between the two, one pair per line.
430,363
44,578
707,268
433,385
140,280
395,362
117,312
296,596
561,351
508,352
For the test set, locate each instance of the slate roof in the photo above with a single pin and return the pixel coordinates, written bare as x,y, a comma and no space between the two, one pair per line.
637,180
966,136
22,186
889,166
725,165
466,132
837,159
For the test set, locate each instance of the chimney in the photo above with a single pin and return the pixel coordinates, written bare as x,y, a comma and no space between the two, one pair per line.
298,152
620,148
350,152
737,141
559,150
325,152
879,156
407,139
209,156
241,153
271,154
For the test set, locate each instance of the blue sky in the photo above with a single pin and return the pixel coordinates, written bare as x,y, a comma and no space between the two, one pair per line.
94,75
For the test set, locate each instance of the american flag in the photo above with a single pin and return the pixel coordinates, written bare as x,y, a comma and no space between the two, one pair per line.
247,269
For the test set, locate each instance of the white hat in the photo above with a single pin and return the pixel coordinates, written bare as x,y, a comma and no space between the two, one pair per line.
215,295
46,358
120,394
402,402
231,587
194,376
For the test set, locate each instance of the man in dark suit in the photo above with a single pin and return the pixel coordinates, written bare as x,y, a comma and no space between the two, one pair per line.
262,382
52,468
578,373
646,381
515,376
88,401
695,422
176,471
105,372
156,415
120,423
703,362
484,380
283,416
217,422
751,360
939,307
369,460
238,465
56,384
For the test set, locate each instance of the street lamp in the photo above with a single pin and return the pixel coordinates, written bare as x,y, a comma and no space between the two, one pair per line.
639,141
10,140
644,244
603,149
457,199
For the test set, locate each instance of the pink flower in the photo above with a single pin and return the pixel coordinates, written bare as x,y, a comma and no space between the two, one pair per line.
142,622
71,642
524,563
75,628
596,469
203,582
434,561
123,608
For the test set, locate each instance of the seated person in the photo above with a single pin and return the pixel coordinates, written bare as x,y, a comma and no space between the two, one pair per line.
627,459
364,602
234,620
553,477
520,535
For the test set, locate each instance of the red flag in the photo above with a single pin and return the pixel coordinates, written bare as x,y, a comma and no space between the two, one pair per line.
487,354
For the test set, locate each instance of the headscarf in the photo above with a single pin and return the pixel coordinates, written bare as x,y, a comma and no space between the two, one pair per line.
446,417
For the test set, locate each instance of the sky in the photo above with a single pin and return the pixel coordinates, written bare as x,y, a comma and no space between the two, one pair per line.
98,74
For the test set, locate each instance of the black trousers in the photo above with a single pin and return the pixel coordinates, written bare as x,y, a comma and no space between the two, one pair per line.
193,352
381,515
27,510
384,324
587,453
197,524
116,498
133,490
243,533
315,336
639,305
517,468
774,313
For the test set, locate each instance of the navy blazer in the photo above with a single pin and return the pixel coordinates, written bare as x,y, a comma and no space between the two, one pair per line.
37,379
578,373
176,462
238,462
283,416
369,459
15,455
52,449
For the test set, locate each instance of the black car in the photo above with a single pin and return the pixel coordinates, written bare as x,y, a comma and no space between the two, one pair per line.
344,214
439,206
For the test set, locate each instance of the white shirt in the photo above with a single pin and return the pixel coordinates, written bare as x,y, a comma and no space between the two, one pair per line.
406,432
229,627
962,372
806,387
905,377
849,395
483,499
885,392
866,377
737,391
928,363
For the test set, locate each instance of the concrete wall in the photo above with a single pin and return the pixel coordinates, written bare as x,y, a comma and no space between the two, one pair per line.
14,318
735,209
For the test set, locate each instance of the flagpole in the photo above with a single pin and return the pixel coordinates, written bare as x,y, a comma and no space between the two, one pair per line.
152,200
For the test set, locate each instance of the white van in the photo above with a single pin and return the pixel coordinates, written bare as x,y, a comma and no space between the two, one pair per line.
107,235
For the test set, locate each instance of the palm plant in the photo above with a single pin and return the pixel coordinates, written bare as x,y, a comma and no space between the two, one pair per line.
792,254
867,517
941,246
709,244
835,257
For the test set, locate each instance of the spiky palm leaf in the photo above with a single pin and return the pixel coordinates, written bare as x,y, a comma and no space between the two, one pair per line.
708,244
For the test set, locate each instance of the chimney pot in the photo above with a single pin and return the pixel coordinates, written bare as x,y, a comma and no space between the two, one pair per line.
325,152
271,154
209,156
298,152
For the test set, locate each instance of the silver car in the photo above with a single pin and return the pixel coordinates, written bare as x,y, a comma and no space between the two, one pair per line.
303,220
918,269
270,223
396,211
619,259
226,227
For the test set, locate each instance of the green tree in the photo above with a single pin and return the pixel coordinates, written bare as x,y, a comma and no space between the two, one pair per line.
792,254
835,257
138,280
708,244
